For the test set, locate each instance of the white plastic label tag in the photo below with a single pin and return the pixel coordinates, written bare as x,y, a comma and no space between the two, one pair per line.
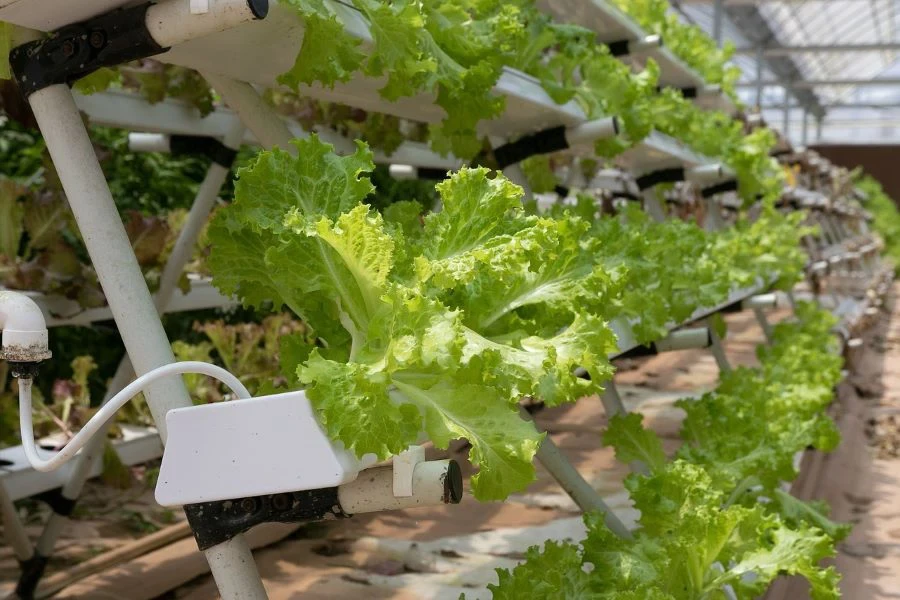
199,7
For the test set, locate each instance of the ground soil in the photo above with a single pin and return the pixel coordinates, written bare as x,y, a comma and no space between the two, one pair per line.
442,552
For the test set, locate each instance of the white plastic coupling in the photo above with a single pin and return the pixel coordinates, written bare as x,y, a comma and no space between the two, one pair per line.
591,131
685,339
24,329
403,172
149,142
433,482
819,267
709,91
404,466
760,301
172,22
645,44
705,173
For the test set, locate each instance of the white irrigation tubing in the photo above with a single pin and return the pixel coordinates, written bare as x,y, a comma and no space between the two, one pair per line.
109,409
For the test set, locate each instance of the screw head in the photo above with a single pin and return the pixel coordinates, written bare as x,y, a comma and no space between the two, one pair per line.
68,48
281,502
248,505
97,39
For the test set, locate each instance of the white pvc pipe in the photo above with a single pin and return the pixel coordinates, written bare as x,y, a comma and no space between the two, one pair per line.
761,301
107,244
403,172
181,252
108,410
373,490
652,205
586,497
13,531
204,202
718,351
684,339
24,335
612,401
171,22
705,173
268,128
148,142
126,291
591,131
763,323
645,44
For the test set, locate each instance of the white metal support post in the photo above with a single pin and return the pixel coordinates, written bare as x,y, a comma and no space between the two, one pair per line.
652,205
127,294
760,61
717,350
612,401
152,30
84,463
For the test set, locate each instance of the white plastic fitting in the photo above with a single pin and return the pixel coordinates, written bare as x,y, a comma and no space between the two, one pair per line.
684,339
591,131
645,44
434,482
705,173
148,142
760,301
172,22
403,172
24,329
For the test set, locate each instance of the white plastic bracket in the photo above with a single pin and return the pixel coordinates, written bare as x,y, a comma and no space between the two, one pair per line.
404,467
199,7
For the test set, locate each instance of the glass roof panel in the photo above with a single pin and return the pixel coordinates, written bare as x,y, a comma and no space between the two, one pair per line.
819,23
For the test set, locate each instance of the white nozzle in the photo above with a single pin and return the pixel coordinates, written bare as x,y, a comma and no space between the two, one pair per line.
24,329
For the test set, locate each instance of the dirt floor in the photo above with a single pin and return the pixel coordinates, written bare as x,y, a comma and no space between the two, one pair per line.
442,552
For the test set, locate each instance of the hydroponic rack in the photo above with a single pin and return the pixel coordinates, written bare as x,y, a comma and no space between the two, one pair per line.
258,50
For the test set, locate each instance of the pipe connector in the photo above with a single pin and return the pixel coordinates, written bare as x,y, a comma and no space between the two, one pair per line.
25,336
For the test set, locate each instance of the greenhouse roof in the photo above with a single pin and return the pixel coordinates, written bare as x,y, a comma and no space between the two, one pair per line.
837,58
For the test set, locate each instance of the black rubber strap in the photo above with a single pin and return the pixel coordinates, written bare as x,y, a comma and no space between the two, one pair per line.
212,148
688,92
77,50
32,571
720,188
654,178
542,142
561,191
431,173
640,351
626,196
57,502
619,48
216,522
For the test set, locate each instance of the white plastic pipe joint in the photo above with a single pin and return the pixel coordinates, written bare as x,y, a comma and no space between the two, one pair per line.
24,329
148,142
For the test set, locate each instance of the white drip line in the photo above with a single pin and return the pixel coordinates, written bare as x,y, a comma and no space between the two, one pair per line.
109,409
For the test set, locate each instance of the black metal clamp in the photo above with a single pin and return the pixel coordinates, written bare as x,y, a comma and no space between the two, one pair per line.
77,50
219,521
654,178
210,147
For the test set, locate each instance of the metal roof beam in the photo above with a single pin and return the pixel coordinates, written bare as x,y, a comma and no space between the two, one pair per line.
817,49
838,106
806,84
